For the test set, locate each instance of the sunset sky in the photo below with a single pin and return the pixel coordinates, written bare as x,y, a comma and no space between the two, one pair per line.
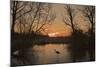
58,27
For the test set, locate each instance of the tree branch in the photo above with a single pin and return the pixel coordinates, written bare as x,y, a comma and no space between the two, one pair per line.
23,14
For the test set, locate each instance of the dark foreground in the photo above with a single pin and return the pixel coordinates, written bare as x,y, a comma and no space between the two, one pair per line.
35,50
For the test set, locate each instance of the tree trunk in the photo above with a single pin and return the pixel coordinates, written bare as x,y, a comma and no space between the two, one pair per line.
13,16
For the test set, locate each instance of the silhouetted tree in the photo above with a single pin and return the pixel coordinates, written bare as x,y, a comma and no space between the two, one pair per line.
89,13
38,15
80,41
69,17
16,8
42,17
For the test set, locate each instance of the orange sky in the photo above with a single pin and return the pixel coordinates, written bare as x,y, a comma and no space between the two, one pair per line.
59,26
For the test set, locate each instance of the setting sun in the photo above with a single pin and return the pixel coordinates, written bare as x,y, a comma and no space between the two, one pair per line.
53,34
58,34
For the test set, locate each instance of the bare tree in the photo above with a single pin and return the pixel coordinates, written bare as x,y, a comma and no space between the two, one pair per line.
40,16
31,16
47,19
69,17
89,13
17,8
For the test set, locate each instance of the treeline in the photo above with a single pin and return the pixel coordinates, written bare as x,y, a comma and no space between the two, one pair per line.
82,41
28,17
